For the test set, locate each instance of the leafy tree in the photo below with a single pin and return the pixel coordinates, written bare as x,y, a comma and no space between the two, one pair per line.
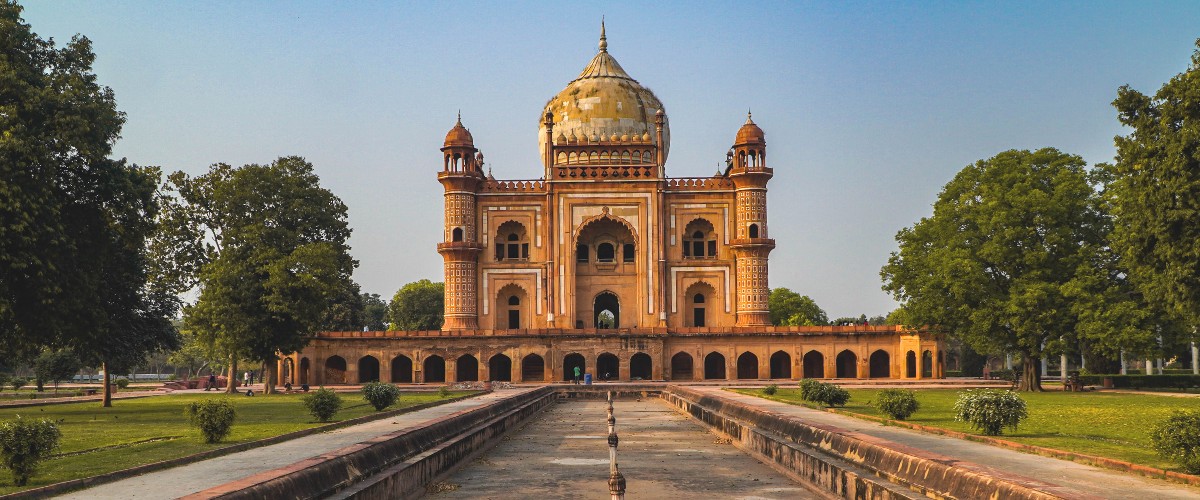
72,263
54,366
266,244
993,263
375,311
345,311
192,354
789,308
1155,192
418,306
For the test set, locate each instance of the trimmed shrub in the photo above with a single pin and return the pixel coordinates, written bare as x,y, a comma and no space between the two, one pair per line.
121,382
897,403
322,404
214,417
809,388
380,395
831,395
24,443
770,390
1178,438
443,392
990,411
18,383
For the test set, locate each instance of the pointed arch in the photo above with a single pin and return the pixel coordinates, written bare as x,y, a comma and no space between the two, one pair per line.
681,366
781,365
881,364
747,366
500,368
402,369
605,214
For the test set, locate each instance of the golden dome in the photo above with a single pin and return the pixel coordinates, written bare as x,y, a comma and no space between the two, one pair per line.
459,136
749,133
603,102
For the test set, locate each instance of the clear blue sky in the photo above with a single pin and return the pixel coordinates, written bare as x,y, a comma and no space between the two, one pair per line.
869,107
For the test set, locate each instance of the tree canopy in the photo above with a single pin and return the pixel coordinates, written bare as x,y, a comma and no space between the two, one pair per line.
375,311
789,308
73,222
266,244
418,306
993,264
1155,191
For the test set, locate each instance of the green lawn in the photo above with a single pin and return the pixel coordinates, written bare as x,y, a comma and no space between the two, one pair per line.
1102,424
133,432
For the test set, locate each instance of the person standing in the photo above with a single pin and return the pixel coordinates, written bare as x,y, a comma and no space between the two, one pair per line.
246,379
212,381
576,381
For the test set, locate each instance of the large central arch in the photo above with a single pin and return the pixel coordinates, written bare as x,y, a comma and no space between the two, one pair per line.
605,271
609,302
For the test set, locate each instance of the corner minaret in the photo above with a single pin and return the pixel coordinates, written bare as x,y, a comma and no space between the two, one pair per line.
751,246
461,176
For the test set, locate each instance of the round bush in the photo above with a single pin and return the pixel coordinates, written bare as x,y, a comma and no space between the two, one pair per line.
831,395
121,382
443,392
18,383
24,443
322,404
897,403
1178,438
380,395
770,390
990,411
214,417
809,388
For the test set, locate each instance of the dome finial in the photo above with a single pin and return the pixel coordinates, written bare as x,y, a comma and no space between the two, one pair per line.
748,120
603,39
460,117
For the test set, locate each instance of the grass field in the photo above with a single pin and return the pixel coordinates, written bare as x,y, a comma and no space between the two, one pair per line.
1104,424
133,432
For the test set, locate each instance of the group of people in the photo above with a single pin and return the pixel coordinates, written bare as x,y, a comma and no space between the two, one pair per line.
247,379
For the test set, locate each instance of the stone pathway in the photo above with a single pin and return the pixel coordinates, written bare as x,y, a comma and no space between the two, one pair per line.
1086,480
180,481
563,453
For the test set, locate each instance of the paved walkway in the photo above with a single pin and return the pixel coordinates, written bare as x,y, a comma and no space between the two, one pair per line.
563,453
1062,477
180,481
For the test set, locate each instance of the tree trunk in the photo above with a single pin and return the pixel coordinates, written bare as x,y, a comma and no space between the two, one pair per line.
232,380
1031,379
106,401
270,377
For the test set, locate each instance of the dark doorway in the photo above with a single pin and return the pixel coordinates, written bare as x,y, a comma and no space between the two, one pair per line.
533,369
606,302
368,369
910,365
435,369
570,362
714,366
881,364
402,370
335,370
698,310
747,366
304,369
514,312
466,369
847,365
927,364
608,367
681,366
500,368
814,365
641,367
781,365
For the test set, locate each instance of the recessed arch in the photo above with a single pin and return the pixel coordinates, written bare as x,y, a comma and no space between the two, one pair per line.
511,305
814,364
466,369
714,366
927,364
881,364
368,369
608,366
747,366
335,370
456,234
305,368
604,215
641,366
571,361
910,364
533,368
847,364
699,239
606,301
435,369
681,366
402,369
500,368
781,365
753,230
700,301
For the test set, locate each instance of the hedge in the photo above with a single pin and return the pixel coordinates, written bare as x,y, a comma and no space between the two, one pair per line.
1144,381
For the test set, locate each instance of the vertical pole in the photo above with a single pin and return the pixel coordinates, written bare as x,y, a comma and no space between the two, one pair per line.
1082,362
1062,371
616,482
1008,361
1149,366
1123,371
1195,359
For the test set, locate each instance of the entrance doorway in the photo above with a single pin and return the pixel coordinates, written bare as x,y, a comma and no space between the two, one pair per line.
606,311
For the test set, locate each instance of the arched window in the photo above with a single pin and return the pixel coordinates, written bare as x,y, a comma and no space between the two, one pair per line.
457,234
581,253
512,242
700,240
697,298
605,252
627,252
514,312
753,230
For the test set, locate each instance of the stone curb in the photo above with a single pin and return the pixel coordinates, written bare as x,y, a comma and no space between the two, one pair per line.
1103,462
86,482
4,405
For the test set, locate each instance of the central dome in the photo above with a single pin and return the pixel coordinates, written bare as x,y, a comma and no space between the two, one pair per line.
604,101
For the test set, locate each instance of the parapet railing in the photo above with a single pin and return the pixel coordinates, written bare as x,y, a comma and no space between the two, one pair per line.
698,183
517,186
649,331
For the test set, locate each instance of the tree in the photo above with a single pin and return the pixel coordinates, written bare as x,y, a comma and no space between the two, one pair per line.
992,264
193,355
266,245
53,366
1155,192
72,261
418,306
789,308
375,311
